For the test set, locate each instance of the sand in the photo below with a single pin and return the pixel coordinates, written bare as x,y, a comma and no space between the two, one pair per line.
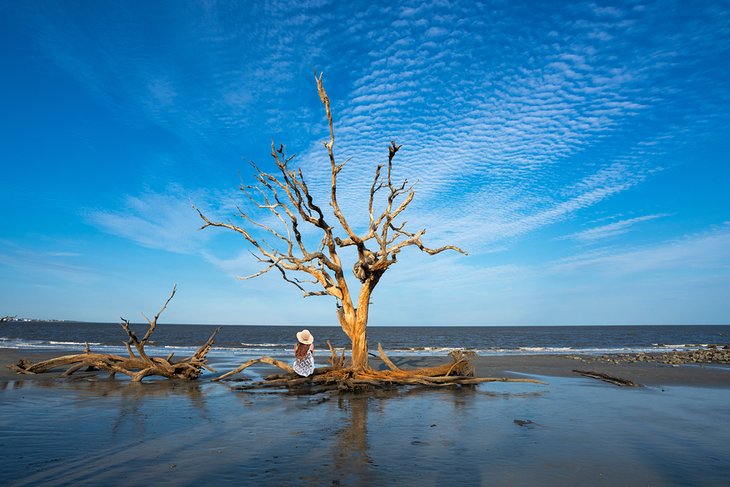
89,430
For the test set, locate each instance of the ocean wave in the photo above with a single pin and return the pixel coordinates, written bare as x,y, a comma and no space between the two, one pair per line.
681,346
425,349
21,344
547,349
284,349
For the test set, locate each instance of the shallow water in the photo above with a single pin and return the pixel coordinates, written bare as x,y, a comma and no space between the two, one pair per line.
94,432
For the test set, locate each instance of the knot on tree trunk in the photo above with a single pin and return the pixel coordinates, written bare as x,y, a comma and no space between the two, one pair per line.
363,267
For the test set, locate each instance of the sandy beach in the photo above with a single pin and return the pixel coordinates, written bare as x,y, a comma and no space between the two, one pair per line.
88,430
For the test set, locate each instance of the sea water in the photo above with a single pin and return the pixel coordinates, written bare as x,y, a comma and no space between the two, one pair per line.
238,341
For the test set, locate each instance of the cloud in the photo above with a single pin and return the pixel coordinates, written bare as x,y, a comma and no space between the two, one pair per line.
504,137
612,229
703,253
512,117
527,112
678,280
53,263
164,221
167,221
204,88
507,141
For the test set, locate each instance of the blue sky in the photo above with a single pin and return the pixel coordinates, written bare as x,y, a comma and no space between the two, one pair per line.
578,151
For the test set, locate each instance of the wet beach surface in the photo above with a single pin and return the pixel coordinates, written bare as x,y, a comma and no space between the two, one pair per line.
89,430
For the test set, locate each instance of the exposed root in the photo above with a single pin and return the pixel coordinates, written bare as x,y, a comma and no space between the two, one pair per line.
458,373
386,360
335,361
136,366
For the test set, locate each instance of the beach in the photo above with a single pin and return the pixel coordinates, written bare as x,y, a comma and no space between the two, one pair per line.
89,430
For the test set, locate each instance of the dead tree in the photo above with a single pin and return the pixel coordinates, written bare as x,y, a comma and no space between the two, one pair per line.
136,366
285,195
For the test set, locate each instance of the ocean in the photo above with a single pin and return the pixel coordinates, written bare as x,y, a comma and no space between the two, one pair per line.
252,341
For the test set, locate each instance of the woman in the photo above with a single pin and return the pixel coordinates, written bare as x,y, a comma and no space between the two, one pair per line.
304,354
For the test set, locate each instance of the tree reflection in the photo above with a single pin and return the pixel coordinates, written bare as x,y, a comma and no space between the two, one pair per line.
350,451
129,400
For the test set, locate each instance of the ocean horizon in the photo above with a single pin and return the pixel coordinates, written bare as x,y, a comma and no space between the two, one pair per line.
256,340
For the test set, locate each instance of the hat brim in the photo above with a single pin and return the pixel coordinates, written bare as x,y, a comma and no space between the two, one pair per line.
305,338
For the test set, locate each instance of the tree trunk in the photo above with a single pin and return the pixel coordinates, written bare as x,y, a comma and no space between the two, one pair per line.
358,327
360,350
354,324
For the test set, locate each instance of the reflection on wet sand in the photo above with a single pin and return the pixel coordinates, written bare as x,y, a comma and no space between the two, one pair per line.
130,397
350,450
97,431
114,387
356,452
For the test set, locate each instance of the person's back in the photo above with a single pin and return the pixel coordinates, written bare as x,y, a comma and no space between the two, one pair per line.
304,354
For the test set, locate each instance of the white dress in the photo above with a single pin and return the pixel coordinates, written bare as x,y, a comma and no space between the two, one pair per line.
304,366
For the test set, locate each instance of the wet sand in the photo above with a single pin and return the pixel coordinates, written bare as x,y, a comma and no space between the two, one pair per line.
89,430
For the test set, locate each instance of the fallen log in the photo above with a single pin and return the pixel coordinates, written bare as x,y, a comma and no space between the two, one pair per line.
607,378
136,366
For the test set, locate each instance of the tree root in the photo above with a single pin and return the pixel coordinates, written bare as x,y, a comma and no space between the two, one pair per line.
458,373
137,367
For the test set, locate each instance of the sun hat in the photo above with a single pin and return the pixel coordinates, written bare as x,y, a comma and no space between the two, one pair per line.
305,337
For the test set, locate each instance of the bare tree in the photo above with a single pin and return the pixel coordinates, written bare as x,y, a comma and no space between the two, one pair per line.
287,197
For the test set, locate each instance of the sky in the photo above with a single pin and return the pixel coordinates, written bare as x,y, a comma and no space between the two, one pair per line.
577,150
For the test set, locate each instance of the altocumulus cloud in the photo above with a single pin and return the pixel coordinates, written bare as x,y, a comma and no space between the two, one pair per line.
164,221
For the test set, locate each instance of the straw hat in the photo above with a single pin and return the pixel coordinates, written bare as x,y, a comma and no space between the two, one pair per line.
305,337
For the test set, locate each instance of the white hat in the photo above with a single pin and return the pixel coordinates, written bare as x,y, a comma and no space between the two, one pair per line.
305,337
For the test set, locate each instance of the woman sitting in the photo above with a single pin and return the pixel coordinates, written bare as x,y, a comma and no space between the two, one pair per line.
304,354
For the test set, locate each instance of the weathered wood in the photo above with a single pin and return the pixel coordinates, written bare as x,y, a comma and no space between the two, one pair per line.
458,373
266,360
137,367
335,361
607,378
386,360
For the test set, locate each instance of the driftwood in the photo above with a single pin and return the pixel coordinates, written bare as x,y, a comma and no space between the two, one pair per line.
607,378
137,366
265,360
457,373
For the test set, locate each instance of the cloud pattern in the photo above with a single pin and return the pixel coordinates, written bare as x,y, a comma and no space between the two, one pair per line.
515,117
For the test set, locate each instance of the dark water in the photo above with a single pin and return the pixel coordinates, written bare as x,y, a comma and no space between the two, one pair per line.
275,340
